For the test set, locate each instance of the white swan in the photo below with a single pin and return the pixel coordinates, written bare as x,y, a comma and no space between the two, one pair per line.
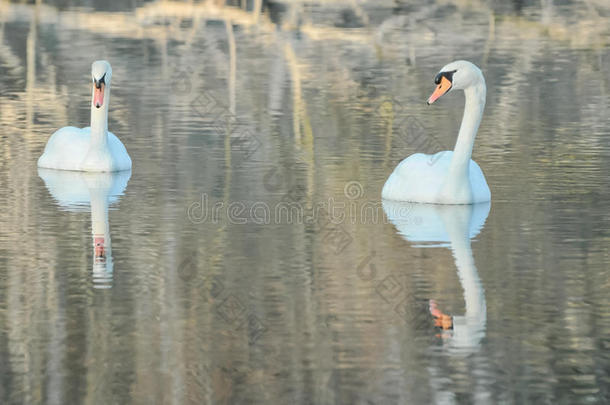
437,225
91,149
76,191
447,177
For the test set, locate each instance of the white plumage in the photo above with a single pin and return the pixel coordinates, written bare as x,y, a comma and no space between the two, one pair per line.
448,177
421,178
93,148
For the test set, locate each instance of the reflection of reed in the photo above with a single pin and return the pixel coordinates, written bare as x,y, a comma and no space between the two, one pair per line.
300,119
31,74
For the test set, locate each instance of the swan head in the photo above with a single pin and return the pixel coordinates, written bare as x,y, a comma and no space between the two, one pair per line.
101,73
459,75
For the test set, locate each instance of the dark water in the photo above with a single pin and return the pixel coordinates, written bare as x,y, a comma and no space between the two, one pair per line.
251,259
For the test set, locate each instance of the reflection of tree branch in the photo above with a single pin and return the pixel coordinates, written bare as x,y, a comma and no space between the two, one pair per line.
232,65
299,114
30,83
491,35
295,80
386,110
231,89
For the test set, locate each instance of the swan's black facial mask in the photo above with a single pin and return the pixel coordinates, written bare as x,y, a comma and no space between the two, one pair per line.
98,83
444,80
447,75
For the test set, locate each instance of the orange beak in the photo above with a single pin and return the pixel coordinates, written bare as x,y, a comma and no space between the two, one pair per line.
98,95
99,247
442,88
441,320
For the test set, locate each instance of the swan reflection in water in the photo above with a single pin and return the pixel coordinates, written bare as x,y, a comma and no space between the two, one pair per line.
450,226
94,192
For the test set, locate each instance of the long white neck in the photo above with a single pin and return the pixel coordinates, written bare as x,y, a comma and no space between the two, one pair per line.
474,295
99,121
99,212
470,328
100,232
458,180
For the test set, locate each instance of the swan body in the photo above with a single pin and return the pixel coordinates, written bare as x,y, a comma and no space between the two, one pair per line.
448,177
69,147
94,148
421,178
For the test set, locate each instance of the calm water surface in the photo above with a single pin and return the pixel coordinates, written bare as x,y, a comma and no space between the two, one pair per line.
247,258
